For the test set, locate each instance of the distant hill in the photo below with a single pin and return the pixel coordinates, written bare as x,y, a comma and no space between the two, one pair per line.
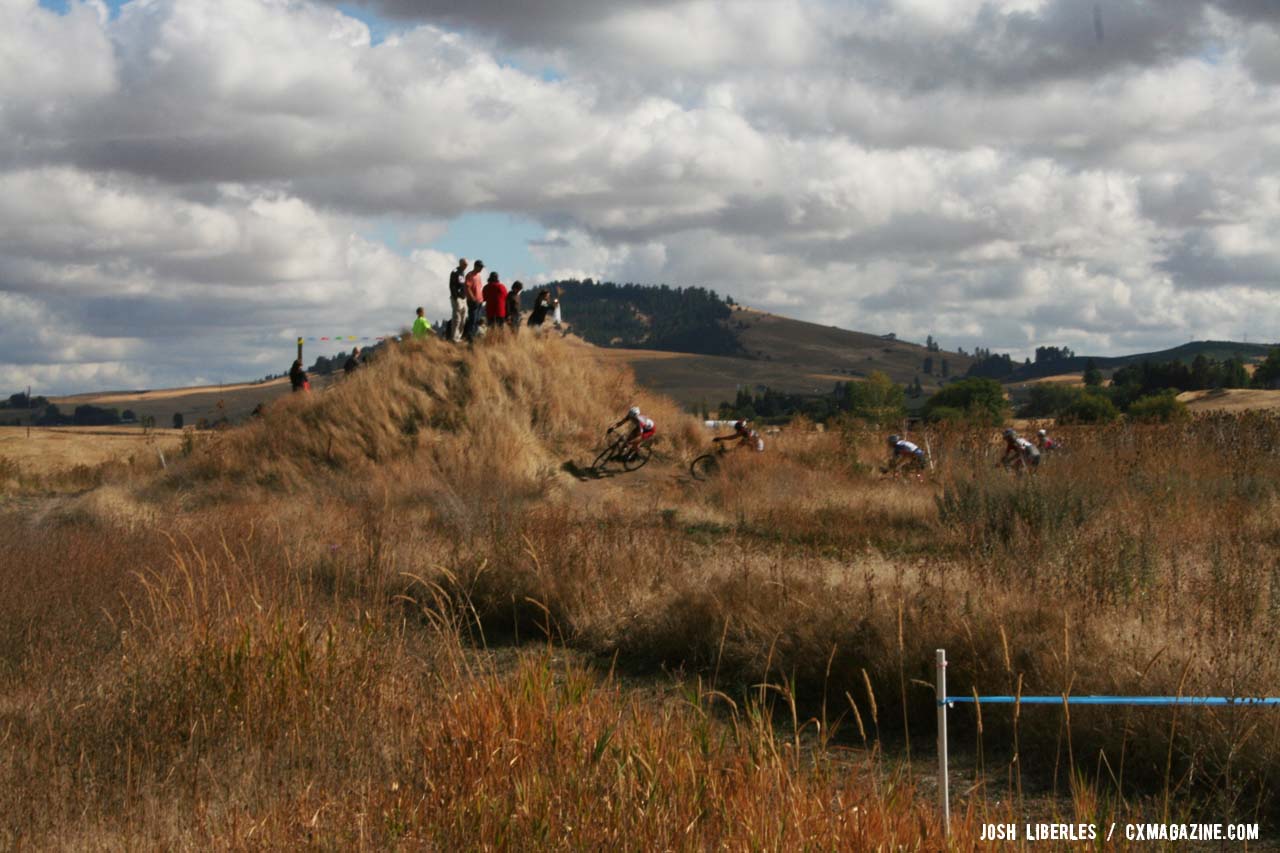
1186,353
700,348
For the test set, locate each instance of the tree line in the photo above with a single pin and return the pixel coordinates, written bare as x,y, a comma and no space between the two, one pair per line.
675,319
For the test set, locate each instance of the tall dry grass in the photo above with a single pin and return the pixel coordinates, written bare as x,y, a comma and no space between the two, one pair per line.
317,628
235,693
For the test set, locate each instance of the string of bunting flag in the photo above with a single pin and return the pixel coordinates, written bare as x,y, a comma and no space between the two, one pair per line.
338,338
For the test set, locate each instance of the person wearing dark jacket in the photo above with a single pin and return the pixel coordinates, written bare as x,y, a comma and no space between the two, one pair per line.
541,307
458,299
513,306
298,377
352,362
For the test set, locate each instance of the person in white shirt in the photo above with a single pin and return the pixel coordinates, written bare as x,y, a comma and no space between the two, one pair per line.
1018,452
643,427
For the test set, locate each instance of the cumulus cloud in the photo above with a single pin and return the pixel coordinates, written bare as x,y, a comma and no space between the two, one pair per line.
190,184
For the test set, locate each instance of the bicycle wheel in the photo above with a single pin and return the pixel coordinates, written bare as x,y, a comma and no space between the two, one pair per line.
704,466
609,454
638,457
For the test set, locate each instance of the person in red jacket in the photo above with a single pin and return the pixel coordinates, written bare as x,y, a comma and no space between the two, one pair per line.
495,301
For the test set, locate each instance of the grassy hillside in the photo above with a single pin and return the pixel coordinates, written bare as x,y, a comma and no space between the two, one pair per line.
726,346
787,355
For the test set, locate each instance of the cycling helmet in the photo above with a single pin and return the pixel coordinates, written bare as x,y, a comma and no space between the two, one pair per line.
1009,433
1042,433
895,438
739,424
634,411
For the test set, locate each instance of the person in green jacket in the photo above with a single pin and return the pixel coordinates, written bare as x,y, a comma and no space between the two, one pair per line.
421,328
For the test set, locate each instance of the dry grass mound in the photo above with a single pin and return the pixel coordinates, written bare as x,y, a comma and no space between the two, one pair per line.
510,411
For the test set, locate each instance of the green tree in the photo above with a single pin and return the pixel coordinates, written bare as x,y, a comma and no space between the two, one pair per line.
1092,375
981,400
876,400
1048,399
1268,373
1233,373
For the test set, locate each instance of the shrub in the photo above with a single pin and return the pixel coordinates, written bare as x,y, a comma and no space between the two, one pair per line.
1049,399
1089,408
94,416
981,401
1163,408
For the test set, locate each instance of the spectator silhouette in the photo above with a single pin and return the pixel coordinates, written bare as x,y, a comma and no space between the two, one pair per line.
495,301
458,300
541,307
513,306
298,377
475,299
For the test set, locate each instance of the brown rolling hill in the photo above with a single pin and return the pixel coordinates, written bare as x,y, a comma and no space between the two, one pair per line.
786,355
210,403
1231,400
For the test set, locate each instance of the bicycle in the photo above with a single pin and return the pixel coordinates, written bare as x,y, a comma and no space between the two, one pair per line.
620,451
708,464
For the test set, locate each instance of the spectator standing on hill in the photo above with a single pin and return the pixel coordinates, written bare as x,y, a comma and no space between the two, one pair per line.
513,306
555,309
298,377
495,301
353,361
421,328
475,299
458,300
541,305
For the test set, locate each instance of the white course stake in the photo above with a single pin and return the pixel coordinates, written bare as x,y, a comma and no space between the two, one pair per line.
944,792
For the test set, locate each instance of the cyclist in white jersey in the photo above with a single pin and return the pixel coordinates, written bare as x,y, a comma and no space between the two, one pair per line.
643,428
1019,452
903,452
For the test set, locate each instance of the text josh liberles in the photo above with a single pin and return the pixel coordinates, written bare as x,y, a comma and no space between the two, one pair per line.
1129,831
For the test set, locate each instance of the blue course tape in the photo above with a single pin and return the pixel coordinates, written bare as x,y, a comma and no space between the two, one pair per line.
1112,700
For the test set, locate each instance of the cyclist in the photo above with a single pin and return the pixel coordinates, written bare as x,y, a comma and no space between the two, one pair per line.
903,452
643,428
745,435
1019,452
1044,443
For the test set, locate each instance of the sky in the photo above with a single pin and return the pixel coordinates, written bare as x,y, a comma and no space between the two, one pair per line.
188,185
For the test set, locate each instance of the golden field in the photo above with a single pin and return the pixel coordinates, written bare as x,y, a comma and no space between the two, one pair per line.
40,451
397,614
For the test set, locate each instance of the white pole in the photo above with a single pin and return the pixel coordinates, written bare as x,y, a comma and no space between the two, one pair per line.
944,787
